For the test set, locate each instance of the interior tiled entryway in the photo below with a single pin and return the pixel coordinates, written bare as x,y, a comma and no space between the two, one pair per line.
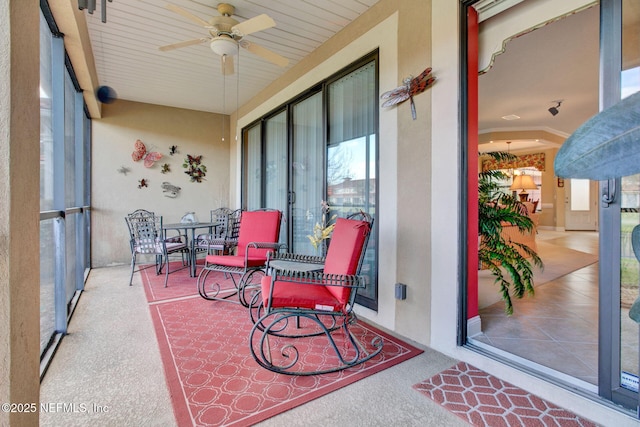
557,328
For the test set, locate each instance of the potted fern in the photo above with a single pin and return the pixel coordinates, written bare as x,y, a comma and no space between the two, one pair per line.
510,262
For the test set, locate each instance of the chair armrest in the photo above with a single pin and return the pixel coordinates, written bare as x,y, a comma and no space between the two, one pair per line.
288,256
266,245
263,245
211,240
320,279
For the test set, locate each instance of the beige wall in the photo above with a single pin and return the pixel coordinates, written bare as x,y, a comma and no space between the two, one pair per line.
115,194
19,209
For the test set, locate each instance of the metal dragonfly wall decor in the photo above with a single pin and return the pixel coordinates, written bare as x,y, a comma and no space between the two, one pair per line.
412,86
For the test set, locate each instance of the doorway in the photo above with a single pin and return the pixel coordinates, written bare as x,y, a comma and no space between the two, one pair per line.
581,205
611,341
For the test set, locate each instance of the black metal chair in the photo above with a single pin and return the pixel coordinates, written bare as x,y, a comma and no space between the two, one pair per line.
137,215
148,238
306,317
203,242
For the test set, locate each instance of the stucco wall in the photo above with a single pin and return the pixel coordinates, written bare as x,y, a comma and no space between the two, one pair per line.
116,194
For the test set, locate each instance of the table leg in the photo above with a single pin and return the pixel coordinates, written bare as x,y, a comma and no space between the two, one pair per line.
192,253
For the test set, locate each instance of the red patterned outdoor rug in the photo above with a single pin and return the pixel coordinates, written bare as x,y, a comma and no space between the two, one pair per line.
179,285
213,379
484,400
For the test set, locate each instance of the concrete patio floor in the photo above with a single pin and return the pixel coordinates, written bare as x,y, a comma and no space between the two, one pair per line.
109,368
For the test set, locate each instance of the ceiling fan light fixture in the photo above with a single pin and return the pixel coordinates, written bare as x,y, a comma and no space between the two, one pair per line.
224,46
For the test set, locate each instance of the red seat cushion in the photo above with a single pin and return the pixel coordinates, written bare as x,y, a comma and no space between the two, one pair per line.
343,255
290,294
236,260
255,226
258,226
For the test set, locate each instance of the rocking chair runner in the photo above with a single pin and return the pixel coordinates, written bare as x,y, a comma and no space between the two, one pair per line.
258,236
321,305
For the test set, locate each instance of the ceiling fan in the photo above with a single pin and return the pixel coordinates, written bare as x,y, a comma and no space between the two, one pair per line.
227,35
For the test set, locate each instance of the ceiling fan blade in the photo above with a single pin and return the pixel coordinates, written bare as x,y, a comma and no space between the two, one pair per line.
226,62
182,44
188,15
253,25
265,53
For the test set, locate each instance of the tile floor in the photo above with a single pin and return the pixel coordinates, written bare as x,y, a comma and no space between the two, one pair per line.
558,327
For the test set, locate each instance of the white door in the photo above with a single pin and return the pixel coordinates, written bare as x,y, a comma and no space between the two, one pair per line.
581,205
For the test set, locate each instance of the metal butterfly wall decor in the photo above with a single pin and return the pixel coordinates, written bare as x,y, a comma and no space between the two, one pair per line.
140,152
195,169
412,86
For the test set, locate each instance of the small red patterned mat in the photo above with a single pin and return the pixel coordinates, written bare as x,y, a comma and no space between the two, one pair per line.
484,400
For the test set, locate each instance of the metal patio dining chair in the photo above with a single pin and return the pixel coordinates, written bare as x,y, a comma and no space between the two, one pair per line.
241,258
307,316
204,242
137,215
148,238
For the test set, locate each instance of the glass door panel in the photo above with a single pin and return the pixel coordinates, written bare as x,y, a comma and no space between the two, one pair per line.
629,216
252,169
70,200
351,159
629,206
307,172
276,166
47,242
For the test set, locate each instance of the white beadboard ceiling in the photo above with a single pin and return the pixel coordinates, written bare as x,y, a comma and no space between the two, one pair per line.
557,61
128,60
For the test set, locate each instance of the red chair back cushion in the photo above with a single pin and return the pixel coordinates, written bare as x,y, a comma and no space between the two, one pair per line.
258,226
345,248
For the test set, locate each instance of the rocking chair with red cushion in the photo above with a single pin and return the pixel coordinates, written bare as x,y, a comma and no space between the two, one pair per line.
257,238
306,317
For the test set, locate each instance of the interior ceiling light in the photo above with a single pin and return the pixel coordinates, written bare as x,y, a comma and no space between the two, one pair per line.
554,110
511,117
223,45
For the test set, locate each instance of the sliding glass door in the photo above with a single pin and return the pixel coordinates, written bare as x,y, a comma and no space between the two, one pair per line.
320,147
613,210
619,207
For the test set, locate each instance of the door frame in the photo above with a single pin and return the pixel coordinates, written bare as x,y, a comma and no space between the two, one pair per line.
608,212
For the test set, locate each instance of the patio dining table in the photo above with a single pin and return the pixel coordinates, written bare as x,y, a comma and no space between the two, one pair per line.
186,227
